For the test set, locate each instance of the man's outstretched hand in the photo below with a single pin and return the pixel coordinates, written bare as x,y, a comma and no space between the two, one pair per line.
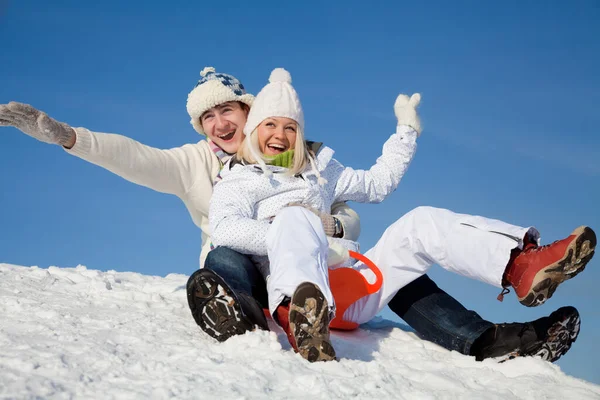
36,124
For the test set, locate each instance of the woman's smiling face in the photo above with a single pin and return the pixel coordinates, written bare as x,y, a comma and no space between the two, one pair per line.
276,135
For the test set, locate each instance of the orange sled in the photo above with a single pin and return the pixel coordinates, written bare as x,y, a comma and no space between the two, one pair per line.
348,286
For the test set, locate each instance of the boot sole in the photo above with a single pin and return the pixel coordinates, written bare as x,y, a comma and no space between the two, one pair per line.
560,337
215,307
309,323
579,252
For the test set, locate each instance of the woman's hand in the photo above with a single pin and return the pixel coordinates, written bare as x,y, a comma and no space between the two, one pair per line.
327,220
405,109
37,124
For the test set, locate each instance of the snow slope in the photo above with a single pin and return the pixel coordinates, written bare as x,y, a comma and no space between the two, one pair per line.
74,332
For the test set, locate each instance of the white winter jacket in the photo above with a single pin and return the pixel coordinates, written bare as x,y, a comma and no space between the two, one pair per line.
245,200
188,172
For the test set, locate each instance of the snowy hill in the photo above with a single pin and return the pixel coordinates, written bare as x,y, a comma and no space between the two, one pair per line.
74,332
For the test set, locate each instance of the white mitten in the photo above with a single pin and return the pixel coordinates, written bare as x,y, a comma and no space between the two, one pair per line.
36,123
405,109
337,255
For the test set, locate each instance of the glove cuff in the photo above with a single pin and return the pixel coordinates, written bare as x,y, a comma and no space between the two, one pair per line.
412,121
83,143
328,224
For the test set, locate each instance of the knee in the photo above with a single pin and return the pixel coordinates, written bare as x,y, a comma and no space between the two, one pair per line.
423,215
297,217
218,255
222,258
414,217
422,211
294,213
417,223
294,225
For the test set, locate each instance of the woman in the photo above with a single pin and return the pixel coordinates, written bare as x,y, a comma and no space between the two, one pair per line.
250,213
218,108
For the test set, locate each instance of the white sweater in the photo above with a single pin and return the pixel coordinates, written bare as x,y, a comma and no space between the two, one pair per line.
245,200
187,172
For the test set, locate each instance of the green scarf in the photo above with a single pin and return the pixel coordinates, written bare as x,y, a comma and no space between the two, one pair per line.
285,160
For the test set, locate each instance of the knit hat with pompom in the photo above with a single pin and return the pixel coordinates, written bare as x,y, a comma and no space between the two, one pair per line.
212,89
277,99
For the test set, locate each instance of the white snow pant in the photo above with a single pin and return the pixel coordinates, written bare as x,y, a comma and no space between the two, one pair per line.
473,246
297,248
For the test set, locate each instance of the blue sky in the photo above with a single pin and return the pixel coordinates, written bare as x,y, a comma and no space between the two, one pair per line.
510,106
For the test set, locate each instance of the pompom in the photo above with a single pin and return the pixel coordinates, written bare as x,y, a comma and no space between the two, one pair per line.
206,71
280,75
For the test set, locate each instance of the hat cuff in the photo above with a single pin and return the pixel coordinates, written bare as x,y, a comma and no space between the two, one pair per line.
255,119
208,95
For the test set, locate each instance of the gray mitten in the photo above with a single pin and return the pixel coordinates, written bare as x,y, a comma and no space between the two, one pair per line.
36,123
405,109
326,219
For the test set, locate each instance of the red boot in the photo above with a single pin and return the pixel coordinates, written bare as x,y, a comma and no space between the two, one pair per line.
282,317
535,272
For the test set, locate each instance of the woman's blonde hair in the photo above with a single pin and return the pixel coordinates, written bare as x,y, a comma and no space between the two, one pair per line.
251,154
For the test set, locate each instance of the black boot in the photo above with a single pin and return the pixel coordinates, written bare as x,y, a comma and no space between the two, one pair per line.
548,337
219,310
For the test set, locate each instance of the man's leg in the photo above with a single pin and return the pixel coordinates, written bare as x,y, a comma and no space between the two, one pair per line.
437,316
220,295
240,273
547,337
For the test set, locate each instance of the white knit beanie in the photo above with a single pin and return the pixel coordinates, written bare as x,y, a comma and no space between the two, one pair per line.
212,89
277,99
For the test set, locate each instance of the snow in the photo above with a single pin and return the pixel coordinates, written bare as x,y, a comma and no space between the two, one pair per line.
76,332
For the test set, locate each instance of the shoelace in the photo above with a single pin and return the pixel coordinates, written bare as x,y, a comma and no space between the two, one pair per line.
501,295
529,247
533,248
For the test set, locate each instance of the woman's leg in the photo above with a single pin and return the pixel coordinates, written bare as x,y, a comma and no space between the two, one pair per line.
473,246
297,247
300,299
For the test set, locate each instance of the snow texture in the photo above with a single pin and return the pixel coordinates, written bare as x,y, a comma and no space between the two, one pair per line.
80,333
